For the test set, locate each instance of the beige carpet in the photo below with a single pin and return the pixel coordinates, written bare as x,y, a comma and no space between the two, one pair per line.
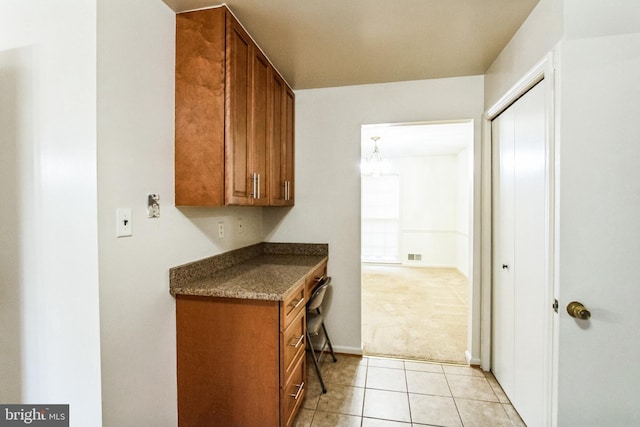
414,313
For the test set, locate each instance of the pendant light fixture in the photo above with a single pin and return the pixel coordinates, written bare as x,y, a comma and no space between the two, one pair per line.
375,164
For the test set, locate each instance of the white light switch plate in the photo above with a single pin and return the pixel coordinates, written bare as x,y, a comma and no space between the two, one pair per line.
123,222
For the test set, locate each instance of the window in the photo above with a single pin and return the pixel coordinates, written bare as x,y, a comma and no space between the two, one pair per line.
380,212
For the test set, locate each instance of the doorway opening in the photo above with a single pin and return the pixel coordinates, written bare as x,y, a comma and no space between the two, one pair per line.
416,227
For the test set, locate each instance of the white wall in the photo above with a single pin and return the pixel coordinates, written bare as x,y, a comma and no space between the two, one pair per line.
434,191
584,19
135,157
327,207
535,38
49,281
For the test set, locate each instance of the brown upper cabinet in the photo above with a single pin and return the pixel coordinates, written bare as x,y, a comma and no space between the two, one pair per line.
234,117
282,144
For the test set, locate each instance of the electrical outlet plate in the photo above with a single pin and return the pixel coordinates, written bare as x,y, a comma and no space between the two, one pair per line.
221,230
123,222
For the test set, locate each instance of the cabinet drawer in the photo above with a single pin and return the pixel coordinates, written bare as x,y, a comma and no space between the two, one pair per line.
292,344
314,278
291,306
292,393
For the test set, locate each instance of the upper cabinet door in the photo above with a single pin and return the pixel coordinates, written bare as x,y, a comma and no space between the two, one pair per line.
281,142
238,176
276,140
288,154
259,118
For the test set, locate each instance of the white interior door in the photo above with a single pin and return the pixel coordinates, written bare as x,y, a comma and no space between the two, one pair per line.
521,254
503,289
599,231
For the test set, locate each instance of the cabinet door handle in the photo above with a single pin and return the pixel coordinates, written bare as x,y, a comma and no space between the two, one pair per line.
300,388
253,183
258,186
298,342
291,304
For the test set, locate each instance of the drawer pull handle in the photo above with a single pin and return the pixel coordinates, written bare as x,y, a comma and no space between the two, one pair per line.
298,342
297,395
297,304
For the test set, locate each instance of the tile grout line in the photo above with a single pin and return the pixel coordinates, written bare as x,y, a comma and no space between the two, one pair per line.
452,398
406,384
364,395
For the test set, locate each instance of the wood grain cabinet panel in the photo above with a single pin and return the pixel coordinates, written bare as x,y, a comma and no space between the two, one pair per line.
281,142
237,123
199,109
292,344
291,306
289,144
228,362
261,72
314,278
240,362
228,118
293,393
276,139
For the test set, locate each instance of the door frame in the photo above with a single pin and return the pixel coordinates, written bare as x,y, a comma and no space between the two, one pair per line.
473,352
544,69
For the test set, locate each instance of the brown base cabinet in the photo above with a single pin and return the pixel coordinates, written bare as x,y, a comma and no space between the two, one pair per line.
240,362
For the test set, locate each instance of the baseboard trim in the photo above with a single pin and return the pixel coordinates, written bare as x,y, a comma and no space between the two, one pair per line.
348,350
470,360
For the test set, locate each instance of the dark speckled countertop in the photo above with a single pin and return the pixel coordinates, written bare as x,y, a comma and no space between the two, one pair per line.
266,271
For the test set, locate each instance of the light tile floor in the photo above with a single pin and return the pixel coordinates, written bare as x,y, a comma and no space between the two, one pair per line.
377,392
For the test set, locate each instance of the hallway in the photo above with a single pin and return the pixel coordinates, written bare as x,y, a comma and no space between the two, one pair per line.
380,392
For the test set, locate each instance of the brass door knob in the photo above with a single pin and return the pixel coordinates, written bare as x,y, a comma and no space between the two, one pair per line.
577,310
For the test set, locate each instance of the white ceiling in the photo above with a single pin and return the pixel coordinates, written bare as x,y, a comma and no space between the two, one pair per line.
417,139
333,43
